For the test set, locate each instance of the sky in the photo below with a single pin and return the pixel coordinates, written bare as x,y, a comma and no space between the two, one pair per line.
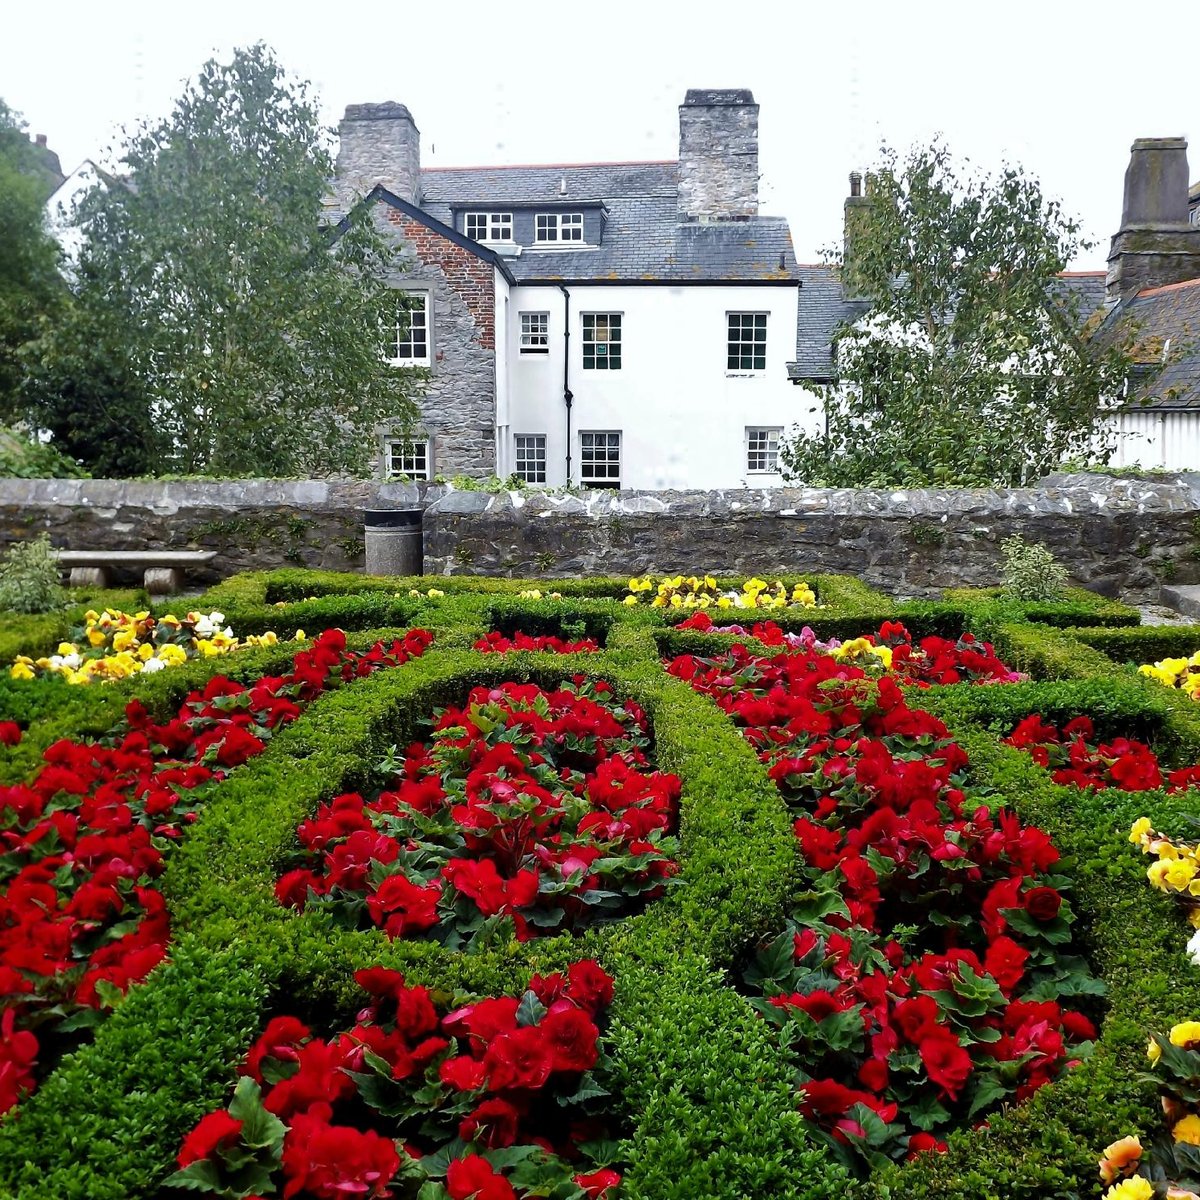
1061,87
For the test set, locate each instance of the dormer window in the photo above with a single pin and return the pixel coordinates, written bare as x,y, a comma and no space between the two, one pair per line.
558,227
489,226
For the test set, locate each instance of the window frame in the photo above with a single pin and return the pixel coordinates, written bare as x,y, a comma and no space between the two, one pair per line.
544,332
768,450
753,342
586,339
420,445
489,217
608,482
539,464
393,341
556,221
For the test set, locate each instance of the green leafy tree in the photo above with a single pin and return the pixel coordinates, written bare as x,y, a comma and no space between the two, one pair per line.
30,285
969,367
252,334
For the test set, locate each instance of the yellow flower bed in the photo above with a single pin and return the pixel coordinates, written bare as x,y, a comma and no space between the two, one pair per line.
1182,673
696,591
114,645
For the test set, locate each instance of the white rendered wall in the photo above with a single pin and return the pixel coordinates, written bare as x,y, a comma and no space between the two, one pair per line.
1168,438
682,416
503,315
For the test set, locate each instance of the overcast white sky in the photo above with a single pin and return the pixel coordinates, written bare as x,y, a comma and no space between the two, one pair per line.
1061,86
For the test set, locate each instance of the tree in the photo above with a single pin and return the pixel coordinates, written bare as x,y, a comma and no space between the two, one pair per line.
969,368
253,336
30,285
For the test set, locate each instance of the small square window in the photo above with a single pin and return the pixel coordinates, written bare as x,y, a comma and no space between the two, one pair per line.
535,333
530,460
406,330
407,458
600,458
601,341
762,449
489,226
746,345
558,227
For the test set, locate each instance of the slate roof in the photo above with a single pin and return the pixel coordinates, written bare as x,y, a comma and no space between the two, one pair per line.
1151,318
644,240
823,308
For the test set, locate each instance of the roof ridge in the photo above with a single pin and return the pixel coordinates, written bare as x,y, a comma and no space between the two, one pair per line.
1082,274
1167,287
636,162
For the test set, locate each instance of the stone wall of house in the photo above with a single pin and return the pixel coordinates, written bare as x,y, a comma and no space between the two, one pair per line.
1116,536
458,408
251,524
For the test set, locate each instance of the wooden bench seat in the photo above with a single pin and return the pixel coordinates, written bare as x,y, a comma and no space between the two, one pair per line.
163,568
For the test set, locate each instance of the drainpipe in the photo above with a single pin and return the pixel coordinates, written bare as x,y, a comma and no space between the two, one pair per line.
567,395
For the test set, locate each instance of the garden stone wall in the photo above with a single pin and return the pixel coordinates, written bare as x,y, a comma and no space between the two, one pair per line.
1116,536
252,524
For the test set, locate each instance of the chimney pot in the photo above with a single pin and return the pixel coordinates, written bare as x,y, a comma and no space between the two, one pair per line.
855,183
1155,245
41,139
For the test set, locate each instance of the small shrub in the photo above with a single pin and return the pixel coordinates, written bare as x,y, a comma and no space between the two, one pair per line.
29,578
1030,571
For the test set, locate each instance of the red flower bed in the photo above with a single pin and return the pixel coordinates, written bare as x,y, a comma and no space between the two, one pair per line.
496,1100
932,660
82,843
534,807
1074,756
923,976
497,643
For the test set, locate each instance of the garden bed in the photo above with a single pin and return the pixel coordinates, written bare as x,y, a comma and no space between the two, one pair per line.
695,1093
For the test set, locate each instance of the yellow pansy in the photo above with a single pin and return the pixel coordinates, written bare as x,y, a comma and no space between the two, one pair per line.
1187,1130
1135,1188
21,670
1139,835
1153,1051
1185,1033
1179,873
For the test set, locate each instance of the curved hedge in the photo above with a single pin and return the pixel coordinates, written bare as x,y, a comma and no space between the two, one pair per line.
707,1102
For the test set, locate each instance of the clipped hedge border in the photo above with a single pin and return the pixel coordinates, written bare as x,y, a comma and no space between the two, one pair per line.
704,1059
710,1101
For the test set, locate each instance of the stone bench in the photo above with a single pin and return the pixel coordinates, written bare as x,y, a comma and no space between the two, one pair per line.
163,568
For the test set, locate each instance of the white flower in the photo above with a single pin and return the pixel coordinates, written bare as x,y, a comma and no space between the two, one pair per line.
1193,947
151,665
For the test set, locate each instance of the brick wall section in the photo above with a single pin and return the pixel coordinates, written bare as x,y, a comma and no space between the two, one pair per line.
458,409
466,274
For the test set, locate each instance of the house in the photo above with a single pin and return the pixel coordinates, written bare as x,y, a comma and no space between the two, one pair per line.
607,324
1153,293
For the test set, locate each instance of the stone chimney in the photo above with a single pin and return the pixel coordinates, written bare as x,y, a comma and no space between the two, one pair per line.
854,212
1155,244
379,143
718,155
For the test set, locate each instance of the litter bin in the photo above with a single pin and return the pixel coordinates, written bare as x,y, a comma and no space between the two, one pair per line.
393,541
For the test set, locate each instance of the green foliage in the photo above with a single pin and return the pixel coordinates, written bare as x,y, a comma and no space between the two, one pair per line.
1030,571
250,335
704,1097
969,370
29,577
30,286
22,457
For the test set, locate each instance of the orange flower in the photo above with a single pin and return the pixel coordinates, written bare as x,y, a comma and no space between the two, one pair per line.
1119,1158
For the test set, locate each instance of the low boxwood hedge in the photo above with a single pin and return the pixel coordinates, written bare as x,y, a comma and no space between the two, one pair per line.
705,1101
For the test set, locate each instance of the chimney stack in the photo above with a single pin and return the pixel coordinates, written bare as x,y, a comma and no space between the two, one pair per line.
854,213
379,143
1155,244
718,155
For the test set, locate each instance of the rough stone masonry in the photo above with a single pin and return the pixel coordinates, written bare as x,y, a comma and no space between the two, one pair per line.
1116,536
